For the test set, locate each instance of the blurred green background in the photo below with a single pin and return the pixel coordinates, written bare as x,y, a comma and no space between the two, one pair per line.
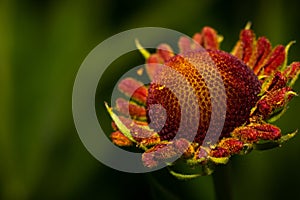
42,44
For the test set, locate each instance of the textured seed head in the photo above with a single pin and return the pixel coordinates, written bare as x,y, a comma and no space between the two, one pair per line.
241,90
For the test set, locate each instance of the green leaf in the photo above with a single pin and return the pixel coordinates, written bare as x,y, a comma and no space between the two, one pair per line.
119,124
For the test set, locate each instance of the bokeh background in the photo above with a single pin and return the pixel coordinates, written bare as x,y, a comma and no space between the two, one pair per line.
42,44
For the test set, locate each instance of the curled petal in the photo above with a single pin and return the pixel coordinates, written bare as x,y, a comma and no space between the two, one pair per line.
201,153
247,38
292,72
245,46
141,133
268,132
184,44
165,52
219,152
273,100
276,59
210,38
148,159
263,50
233,145
151,65
254,132
120,139
134,89
130,108
184,146
198,38
279,81
246,134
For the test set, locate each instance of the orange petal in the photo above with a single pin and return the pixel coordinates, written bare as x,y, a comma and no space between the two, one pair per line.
119,139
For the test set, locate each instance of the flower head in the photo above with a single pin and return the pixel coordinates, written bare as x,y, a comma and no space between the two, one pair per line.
256,88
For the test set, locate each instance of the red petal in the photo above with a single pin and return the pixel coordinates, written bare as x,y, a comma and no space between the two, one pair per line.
263,51
276,59
151,67
248,38
127,108
292,70
184,44
134,89
210,38
165,52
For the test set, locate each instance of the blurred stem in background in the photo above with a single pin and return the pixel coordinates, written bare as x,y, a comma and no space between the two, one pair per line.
8,172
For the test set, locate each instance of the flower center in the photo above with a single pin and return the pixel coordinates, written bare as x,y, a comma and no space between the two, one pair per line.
241,87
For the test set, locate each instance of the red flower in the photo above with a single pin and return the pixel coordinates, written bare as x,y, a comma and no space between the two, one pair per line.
258,85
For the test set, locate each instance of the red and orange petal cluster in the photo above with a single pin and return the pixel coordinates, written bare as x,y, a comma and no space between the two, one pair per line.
258,85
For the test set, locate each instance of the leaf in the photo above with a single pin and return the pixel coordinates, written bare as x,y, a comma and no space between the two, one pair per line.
119,124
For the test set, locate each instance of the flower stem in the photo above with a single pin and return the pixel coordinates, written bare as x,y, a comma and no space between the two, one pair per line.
222,182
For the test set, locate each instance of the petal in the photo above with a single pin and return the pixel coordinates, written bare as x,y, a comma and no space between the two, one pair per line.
263,50
276,59
120,139
134,89
244,49
130,108
219,152
292,72
151,65
233,145
210,38
279,81
268,132
165,52
273,100
184,44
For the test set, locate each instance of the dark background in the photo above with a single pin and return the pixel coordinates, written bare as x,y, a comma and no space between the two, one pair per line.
42,45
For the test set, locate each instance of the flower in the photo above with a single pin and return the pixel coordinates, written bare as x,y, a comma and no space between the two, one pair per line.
257,83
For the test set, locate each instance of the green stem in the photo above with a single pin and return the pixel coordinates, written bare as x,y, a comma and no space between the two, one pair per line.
222,183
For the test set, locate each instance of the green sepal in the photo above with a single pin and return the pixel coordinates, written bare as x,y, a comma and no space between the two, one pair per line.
222,160
143,51
265,145
181,176
195,162
119,123
247,148
287,48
